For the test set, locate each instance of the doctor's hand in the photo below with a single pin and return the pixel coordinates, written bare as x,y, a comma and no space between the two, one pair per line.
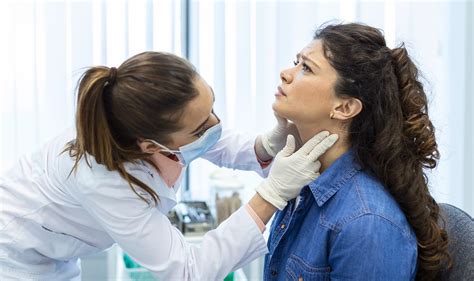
291,170
273,141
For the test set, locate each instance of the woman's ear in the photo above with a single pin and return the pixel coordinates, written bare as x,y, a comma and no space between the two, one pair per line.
346,108
148,146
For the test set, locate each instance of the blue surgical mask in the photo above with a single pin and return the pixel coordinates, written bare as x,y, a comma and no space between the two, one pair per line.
197,148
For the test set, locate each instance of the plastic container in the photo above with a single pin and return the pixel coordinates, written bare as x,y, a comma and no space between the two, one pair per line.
135,272
223,183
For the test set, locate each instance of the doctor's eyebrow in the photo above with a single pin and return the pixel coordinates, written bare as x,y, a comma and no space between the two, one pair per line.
204,123
200,126
305,58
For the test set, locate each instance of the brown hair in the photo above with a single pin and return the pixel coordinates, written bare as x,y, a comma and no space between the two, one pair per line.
392,137
141,99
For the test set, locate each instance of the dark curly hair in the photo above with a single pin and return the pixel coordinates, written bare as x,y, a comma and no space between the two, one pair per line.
392,137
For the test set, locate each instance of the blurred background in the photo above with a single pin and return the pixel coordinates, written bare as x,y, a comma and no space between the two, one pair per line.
239,47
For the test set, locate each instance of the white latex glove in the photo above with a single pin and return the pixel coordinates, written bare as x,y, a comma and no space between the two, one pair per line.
291,171
273,141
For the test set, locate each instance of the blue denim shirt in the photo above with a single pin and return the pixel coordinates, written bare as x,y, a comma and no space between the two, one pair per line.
346,226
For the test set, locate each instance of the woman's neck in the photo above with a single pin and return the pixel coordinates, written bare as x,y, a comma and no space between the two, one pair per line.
339,148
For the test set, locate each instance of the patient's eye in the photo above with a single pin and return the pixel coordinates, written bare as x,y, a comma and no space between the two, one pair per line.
306,68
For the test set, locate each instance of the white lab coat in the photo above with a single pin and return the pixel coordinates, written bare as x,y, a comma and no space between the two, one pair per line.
48,220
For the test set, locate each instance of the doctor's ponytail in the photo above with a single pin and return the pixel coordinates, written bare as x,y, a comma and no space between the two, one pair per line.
116,107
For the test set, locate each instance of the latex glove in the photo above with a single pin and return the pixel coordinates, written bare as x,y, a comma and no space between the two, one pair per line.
291,171
273,141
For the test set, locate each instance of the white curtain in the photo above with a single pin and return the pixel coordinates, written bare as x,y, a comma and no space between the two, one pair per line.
239,47
45,47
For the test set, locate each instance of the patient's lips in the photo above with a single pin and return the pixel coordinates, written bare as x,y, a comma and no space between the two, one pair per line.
280,92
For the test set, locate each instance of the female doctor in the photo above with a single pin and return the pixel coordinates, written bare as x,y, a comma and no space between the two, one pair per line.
113,178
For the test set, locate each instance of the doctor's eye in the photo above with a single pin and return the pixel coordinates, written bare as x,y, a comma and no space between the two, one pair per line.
200,133
296,62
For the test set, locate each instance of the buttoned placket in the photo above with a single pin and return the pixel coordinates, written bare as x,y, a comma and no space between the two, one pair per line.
281,230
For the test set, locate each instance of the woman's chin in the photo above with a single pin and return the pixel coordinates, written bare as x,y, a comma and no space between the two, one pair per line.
279,109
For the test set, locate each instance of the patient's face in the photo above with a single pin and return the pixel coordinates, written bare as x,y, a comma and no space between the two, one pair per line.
307,89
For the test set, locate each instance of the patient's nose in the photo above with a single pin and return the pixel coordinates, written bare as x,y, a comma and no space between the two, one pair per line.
285,76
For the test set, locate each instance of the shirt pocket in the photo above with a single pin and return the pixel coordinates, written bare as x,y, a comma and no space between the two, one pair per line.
67,246
36,238
299,270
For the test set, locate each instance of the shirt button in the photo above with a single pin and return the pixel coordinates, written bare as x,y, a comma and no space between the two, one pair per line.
282,226
273,272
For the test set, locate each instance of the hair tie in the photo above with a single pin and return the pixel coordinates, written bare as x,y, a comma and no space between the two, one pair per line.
112,75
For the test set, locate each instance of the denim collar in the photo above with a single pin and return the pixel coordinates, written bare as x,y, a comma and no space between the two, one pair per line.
333,178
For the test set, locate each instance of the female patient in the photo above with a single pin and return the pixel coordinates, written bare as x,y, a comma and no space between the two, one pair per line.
369,216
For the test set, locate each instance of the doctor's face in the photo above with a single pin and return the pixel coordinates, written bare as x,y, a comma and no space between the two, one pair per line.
306,92
197,117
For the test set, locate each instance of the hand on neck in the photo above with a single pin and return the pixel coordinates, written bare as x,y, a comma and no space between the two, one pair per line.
336,151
